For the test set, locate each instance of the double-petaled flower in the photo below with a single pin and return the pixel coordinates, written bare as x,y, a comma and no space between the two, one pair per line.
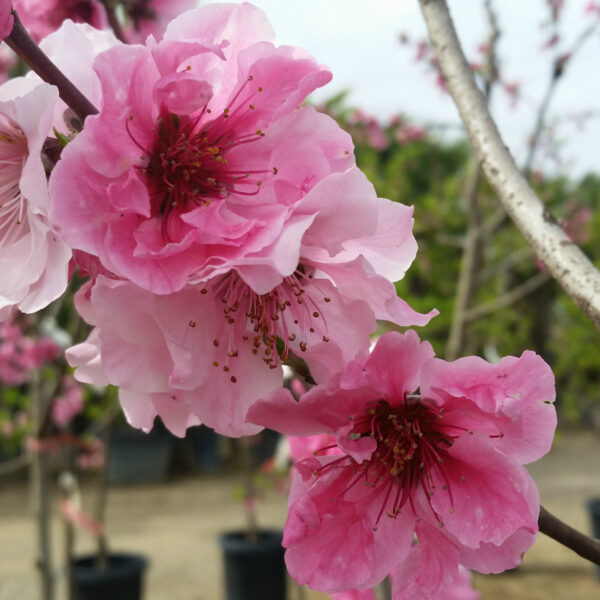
226,219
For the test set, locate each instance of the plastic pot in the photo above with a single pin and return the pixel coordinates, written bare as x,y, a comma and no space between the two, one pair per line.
254,569
122,579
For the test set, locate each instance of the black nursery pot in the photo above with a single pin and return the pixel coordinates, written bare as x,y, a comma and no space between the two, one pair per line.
121,580
254,569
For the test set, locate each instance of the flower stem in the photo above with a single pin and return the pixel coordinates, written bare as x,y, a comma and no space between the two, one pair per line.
20,41
564,534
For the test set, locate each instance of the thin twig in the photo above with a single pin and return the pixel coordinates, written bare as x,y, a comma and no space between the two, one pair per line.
563,259
558,70
509,298
20,41
507,263
564,534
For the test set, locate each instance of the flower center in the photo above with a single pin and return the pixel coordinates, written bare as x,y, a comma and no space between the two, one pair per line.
412,443
190,162
286,318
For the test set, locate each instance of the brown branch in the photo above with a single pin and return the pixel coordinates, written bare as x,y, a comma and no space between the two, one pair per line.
563,259
564,534
507,299
20,41
506,264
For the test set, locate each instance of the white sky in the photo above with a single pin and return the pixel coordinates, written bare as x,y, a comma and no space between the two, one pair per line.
358,41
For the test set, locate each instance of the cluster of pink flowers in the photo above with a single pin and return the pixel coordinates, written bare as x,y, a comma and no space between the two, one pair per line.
226,230
21,354
69,404
232,219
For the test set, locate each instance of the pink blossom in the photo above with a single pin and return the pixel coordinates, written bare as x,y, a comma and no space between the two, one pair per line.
163,355
213,158
42,17
19,355
445,466
593,8
150,17
6,18
208,352
35,354
406,133
277,237
67,406
33,260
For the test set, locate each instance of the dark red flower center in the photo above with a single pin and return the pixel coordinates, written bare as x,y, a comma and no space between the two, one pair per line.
412,444
189,163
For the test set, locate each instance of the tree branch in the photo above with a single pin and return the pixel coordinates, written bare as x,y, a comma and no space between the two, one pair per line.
20,41
507,299
558,70
564,534
506,264
563,259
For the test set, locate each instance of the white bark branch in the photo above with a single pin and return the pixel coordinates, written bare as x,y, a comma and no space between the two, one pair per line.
563,259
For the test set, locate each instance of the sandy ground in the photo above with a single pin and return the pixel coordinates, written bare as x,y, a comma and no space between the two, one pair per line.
177,525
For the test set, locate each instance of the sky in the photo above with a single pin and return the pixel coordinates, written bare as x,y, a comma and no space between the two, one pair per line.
358,41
